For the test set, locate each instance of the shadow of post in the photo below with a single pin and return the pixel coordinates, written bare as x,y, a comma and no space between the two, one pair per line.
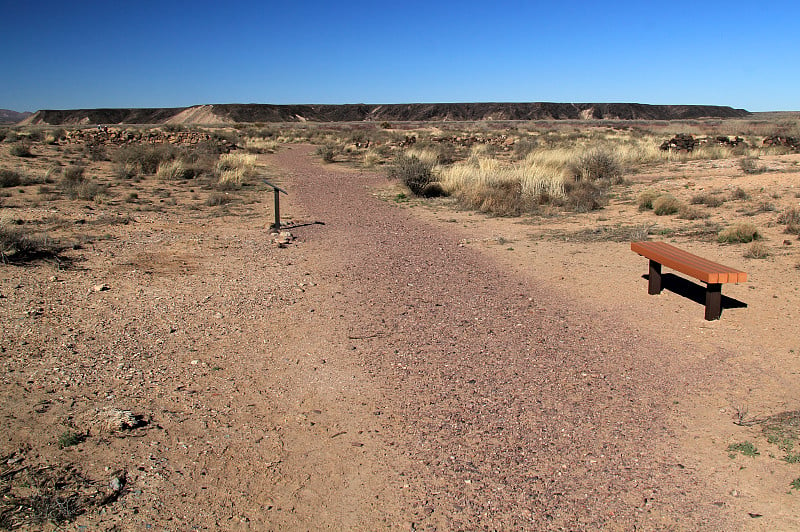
693,291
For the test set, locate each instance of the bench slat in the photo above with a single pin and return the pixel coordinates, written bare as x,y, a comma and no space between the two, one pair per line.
688,263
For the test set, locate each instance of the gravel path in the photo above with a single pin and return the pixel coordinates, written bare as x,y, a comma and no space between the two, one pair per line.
514,407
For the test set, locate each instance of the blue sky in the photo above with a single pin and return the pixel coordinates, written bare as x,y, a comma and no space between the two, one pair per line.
87,54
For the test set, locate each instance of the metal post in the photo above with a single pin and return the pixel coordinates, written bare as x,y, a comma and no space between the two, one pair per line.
277,224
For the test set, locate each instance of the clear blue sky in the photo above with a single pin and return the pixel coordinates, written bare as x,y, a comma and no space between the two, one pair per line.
142,53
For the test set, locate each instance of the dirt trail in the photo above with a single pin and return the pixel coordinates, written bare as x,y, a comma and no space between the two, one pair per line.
514,407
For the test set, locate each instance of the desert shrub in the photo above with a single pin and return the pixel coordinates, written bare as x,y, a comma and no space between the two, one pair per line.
18,244
757,250
523,147
412,172
646,199
790,216
76,185
739,194
691,213
174,170
144,158
11,178
217,198
742,232
666,204
21,149
501,198
583,196
709,200
596,165
96,152
328,152
749,165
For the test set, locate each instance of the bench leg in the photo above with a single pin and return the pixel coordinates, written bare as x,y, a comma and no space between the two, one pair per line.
713,301
654,285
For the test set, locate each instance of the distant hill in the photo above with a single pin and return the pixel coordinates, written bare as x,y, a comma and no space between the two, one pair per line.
12,117
412,112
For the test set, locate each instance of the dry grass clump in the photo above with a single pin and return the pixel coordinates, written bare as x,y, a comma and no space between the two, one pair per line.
233,169
709,200
18,244
646,199
742,232
21,149
174,170
13,178
666,204
687,212
144,159
757,250
76,185
749,165
597,165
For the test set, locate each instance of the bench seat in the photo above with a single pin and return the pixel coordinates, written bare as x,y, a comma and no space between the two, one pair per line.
711,273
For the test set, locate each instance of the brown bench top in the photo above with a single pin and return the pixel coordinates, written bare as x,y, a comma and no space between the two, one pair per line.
685,262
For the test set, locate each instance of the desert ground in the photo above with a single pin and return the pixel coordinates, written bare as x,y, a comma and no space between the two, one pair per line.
389,361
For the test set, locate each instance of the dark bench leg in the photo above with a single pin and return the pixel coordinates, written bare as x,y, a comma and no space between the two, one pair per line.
654,286
713,301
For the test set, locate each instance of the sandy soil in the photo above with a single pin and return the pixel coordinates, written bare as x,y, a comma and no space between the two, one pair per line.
399,365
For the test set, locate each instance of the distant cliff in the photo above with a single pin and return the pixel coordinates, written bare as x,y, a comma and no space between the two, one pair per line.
412,112
12,117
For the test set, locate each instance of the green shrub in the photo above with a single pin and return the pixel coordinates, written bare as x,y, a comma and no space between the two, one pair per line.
666,204
739,233
413,172
76,186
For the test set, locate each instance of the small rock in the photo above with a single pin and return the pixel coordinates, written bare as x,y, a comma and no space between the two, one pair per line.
100,287
787,242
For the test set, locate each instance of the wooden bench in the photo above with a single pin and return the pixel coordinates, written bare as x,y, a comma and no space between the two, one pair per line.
711,273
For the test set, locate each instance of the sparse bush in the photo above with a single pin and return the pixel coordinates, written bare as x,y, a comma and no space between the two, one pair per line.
690,213
501,198
709,200
583,196
76,186
749,165
145,158
217,198
757,250
666,204
739,194
17,244
790,216
598,165
646,199
329,152
11,178
21,149
413,172
739,233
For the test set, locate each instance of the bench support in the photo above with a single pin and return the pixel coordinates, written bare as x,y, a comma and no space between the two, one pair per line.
713,301
654,284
